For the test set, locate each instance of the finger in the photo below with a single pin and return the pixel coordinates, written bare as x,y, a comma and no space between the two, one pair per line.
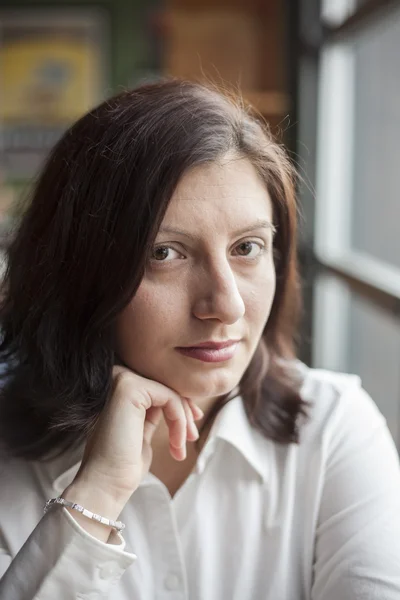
153,417
157,395
196,410
174,414
175,419
192,433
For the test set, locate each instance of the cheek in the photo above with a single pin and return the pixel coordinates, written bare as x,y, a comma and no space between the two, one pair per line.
258,309
260,297
152,311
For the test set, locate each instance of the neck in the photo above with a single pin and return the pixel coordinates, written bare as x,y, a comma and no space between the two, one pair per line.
161,435
168,470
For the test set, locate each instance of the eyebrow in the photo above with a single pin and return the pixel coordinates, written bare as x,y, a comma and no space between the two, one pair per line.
259,224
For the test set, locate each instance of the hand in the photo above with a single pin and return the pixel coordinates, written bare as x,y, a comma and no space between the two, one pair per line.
118,452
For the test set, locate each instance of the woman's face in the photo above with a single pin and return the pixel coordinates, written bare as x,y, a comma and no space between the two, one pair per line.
210,280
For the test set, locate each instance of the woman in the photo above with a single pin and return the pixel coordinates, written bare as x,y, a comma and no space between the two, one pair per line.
152,285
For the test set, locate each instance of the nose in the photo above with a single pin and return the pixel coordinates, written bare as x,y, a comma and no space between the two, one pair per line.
218,295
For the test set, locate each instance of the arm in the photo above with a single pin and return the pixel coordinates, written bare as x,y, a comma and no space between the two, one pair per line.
70,557
357,551
61,560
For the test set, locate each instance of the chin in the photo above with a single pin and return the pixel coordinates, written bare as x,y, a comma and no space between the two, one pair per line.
207,386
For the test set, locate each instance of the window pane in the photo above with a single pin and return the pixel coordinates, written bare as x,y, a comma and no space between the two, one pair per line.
354,336
373,352
335,12
376,191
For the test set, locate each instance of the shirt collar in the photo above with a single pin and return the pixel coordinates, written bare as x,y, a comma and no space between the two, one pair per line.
231,425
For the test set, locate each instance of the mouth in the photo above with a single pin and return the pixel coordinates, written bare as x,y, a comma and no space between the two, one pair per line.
211,351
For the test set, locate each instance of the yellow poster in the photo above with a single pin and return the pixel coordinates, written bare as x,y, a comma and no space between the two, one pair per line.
47,80
52,71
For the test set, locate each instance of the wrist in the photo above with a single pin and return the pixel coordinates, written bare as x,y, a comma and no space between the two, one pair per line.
96,497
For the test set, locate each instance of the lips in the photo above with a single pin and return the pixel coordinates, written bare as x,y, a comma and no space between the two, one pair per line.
211,352
213,345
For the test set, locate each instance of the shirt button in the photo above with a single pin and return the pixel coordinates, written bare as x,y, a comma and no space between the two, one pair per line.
108,571
172,582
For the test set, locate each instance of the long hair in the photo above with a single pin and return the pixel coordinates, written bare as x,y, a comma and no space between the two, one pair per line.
79,254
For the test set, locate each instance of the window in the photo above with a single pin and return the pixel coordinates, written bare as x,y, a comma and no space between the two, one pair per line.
349,51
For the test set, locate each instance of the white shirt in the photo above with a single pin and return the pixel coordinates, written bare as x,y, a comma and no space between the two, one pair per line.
255,520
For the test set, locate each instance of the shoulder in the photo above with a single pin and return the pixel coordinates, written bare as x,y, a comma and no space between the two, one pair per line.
21,502
25,487
339,405
18,478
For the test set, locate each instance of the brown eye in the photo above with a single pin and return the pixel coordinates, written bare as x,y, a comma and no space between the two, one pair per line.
160,253
164,254
245,248
250,249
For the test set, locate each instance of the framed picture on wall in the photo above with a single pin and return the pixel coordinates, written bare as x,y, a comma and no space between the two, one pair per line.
53,69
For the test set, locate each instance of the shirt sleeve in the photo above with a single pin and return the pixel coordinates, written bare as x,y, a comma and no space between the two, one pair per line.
60,560
357,547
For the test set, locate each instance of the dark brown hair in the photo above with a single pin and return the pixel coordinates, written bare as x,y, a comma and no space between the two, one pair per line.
80,251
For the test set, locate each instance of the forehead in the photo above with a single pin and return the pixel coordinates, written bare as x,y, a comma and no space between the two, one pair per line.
224,194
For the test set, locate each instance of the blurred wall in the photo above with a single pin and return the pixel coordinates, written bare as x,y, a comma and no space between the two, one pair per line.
240,44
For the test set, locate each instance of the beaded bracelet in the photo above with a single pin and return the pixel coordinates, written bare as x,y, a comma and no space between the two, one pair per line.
118,525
